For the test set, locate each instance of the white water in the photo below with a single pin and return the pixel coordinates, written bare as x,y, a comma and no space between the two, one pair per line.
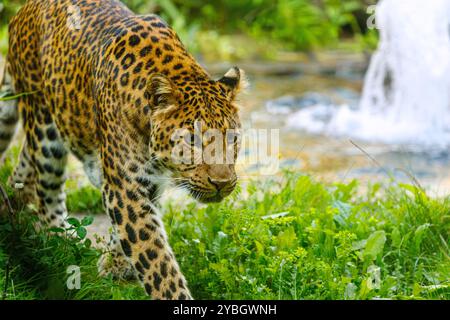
406,96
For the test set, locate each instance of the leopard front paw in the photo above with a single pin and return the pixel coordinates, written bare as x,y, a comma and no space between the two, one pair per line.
116,265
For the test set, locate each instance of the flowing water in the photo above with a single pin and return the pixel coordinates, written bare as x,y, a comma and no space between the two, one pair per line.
340,121
278,98
406,96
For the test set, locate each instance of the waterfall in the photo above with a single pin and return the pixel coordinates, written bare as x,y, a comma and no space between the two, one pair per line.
406,95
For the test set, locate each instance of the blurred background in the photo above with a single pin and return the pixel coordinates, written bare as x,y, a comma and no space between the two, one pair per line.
299,54
281,24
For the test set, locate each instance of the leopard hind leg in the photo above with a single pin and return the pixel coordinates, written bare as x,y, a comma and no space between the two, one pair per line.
9,115
44,160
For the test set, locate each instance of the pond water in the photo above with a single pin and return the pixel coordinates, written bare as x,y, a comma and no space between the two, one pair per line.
279,90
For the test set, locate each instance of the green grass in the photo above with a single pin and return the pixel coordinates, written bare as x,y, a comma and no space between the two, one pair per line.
284,238
300,239
35,265
84,199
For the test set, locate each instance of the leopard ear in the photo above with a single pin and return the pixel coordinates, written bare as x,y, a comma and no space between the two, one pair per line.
161,93
234,82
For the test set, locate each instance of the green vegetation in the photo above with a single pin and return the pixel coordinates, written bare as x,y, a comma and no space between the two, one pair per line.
85,199
299,24
269,25
285,238
300,239
34,265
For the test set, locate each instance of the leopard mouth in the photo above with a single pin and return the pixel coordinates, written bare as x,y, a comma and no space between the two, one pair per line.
206,197
214,199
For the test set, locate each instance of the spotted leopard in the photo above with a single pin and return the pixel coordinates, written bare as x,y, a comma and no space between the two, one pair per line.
111,87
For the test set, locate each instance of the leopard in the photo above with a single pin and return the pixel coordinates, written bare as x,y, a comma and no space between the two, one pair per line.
92,79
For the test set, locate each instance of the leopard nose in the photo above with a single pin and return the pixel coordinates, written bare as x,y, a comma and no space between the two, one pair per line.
219,183
220,175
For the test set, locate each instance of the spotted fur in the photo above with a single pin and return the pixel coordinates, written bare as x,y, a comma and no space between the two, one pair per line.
112,87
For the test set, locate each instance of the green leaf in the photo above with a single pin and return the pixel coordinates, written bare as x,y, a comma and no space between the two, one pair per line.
344,211
396,238
374,246
88,243
7,96
287,239
419,234
87,221
259,248
364,290
57,230
81,232
74,222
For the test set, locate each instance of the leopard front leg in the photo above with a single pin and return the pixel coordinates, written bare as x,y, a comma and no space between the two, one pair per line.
142,236
113,261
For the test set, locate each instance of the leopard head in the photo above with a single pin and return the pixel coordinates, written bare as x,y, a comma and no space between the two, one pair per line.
195,132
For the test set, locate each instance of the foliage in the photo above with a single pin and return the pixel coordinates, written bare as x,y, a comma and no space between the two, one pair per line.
289,238
36,264
299,239
296,24
85,199
7,166
9,8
